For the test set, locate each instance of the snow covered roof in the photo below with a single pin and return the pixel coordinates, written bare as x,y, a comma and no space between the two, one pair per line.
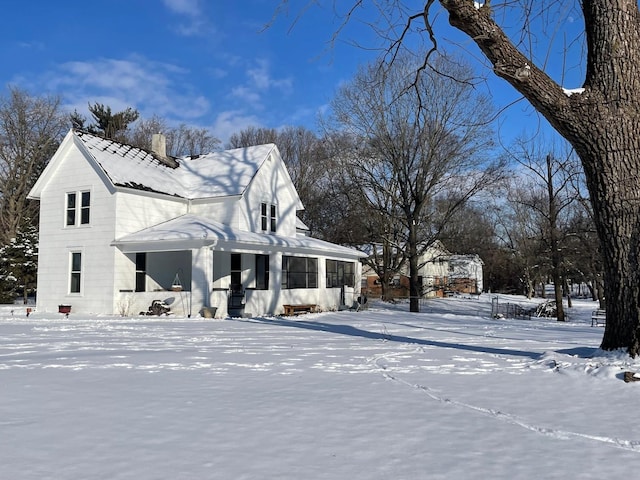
195,231
212,175
465,259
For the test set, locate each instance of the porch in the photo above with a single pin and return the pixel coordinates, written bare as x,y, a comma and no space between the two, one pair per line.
235,284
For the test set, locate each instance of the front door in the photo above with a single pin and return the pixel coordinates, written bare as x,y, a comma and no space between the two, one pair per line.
235,302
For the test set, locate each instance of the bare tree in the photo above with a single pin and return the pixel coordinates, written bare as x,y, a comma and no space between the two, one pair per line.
422,153
476,229
143,130
585,258
546,189
252,136
350,215
182,140
31,129
186,140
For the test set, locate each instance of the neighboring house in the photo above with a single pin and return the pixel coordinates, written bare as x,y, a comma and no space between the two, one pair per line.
440,273
465,274
121,226
434,271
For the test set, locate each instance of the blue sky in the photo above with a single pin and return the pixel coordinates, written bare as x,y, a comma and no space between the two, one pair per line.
206,63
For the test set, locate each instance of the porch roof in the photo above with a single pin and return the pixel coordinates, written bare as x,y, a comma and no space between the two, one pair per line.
191,231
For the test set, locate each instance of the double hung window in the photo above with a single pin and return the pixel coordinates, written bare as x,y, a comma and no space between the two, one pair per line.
75,283
78,208
268,217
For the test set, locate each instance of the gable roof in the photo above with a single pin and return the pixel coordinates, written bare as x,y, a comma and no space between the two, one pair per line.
216,174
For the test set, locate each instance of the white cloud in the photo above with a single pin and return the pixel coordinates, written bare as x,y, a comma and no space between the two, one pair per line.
149,86
232,121
247,95
184,7
260,82
195,21
260,77
217,72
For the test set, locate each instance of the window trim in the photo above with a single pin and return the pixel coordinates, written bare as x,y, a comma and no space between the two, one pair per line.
273,216
268,217
71,210
78,214
85,208
73,273
263,216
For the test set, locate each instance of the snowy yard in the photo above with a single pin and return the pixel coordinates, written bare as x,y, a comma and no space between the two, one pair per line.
449,393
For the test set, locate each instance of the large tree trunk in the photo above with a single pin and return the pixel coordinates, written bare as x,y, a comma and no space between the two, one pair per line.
602,125
607,140
612,173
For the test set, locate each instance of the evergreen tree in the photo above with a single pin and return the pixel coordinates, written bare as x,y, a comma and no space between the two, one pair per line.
77,120
19,265
109,124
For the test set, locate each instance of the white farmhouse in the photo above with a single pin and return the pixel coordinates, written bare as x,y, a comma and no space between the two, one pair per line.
121,227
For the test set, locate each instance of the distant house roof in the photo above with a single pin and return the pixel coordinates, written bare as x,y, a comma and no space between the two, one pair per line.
465,259
198,232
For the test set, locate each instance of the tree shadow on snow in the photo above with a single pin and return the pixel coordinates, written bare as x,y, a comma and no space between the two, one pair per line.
580,352
357,332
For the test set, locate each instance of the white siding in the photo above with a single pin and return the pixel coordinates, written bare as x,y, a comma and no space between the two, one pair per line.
271,185
75,174
226,211
135,210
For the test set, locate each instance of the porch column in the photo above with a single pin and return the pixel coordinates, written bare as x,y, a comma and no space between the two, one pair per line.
201,277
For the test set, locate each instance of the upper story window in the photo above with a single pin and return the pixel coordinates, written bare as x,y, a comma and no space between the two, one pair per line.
272,220
268,217
78,208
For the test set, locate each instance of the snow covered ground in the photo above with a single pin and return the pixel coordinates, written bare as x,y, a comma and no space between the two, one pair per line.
448,393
